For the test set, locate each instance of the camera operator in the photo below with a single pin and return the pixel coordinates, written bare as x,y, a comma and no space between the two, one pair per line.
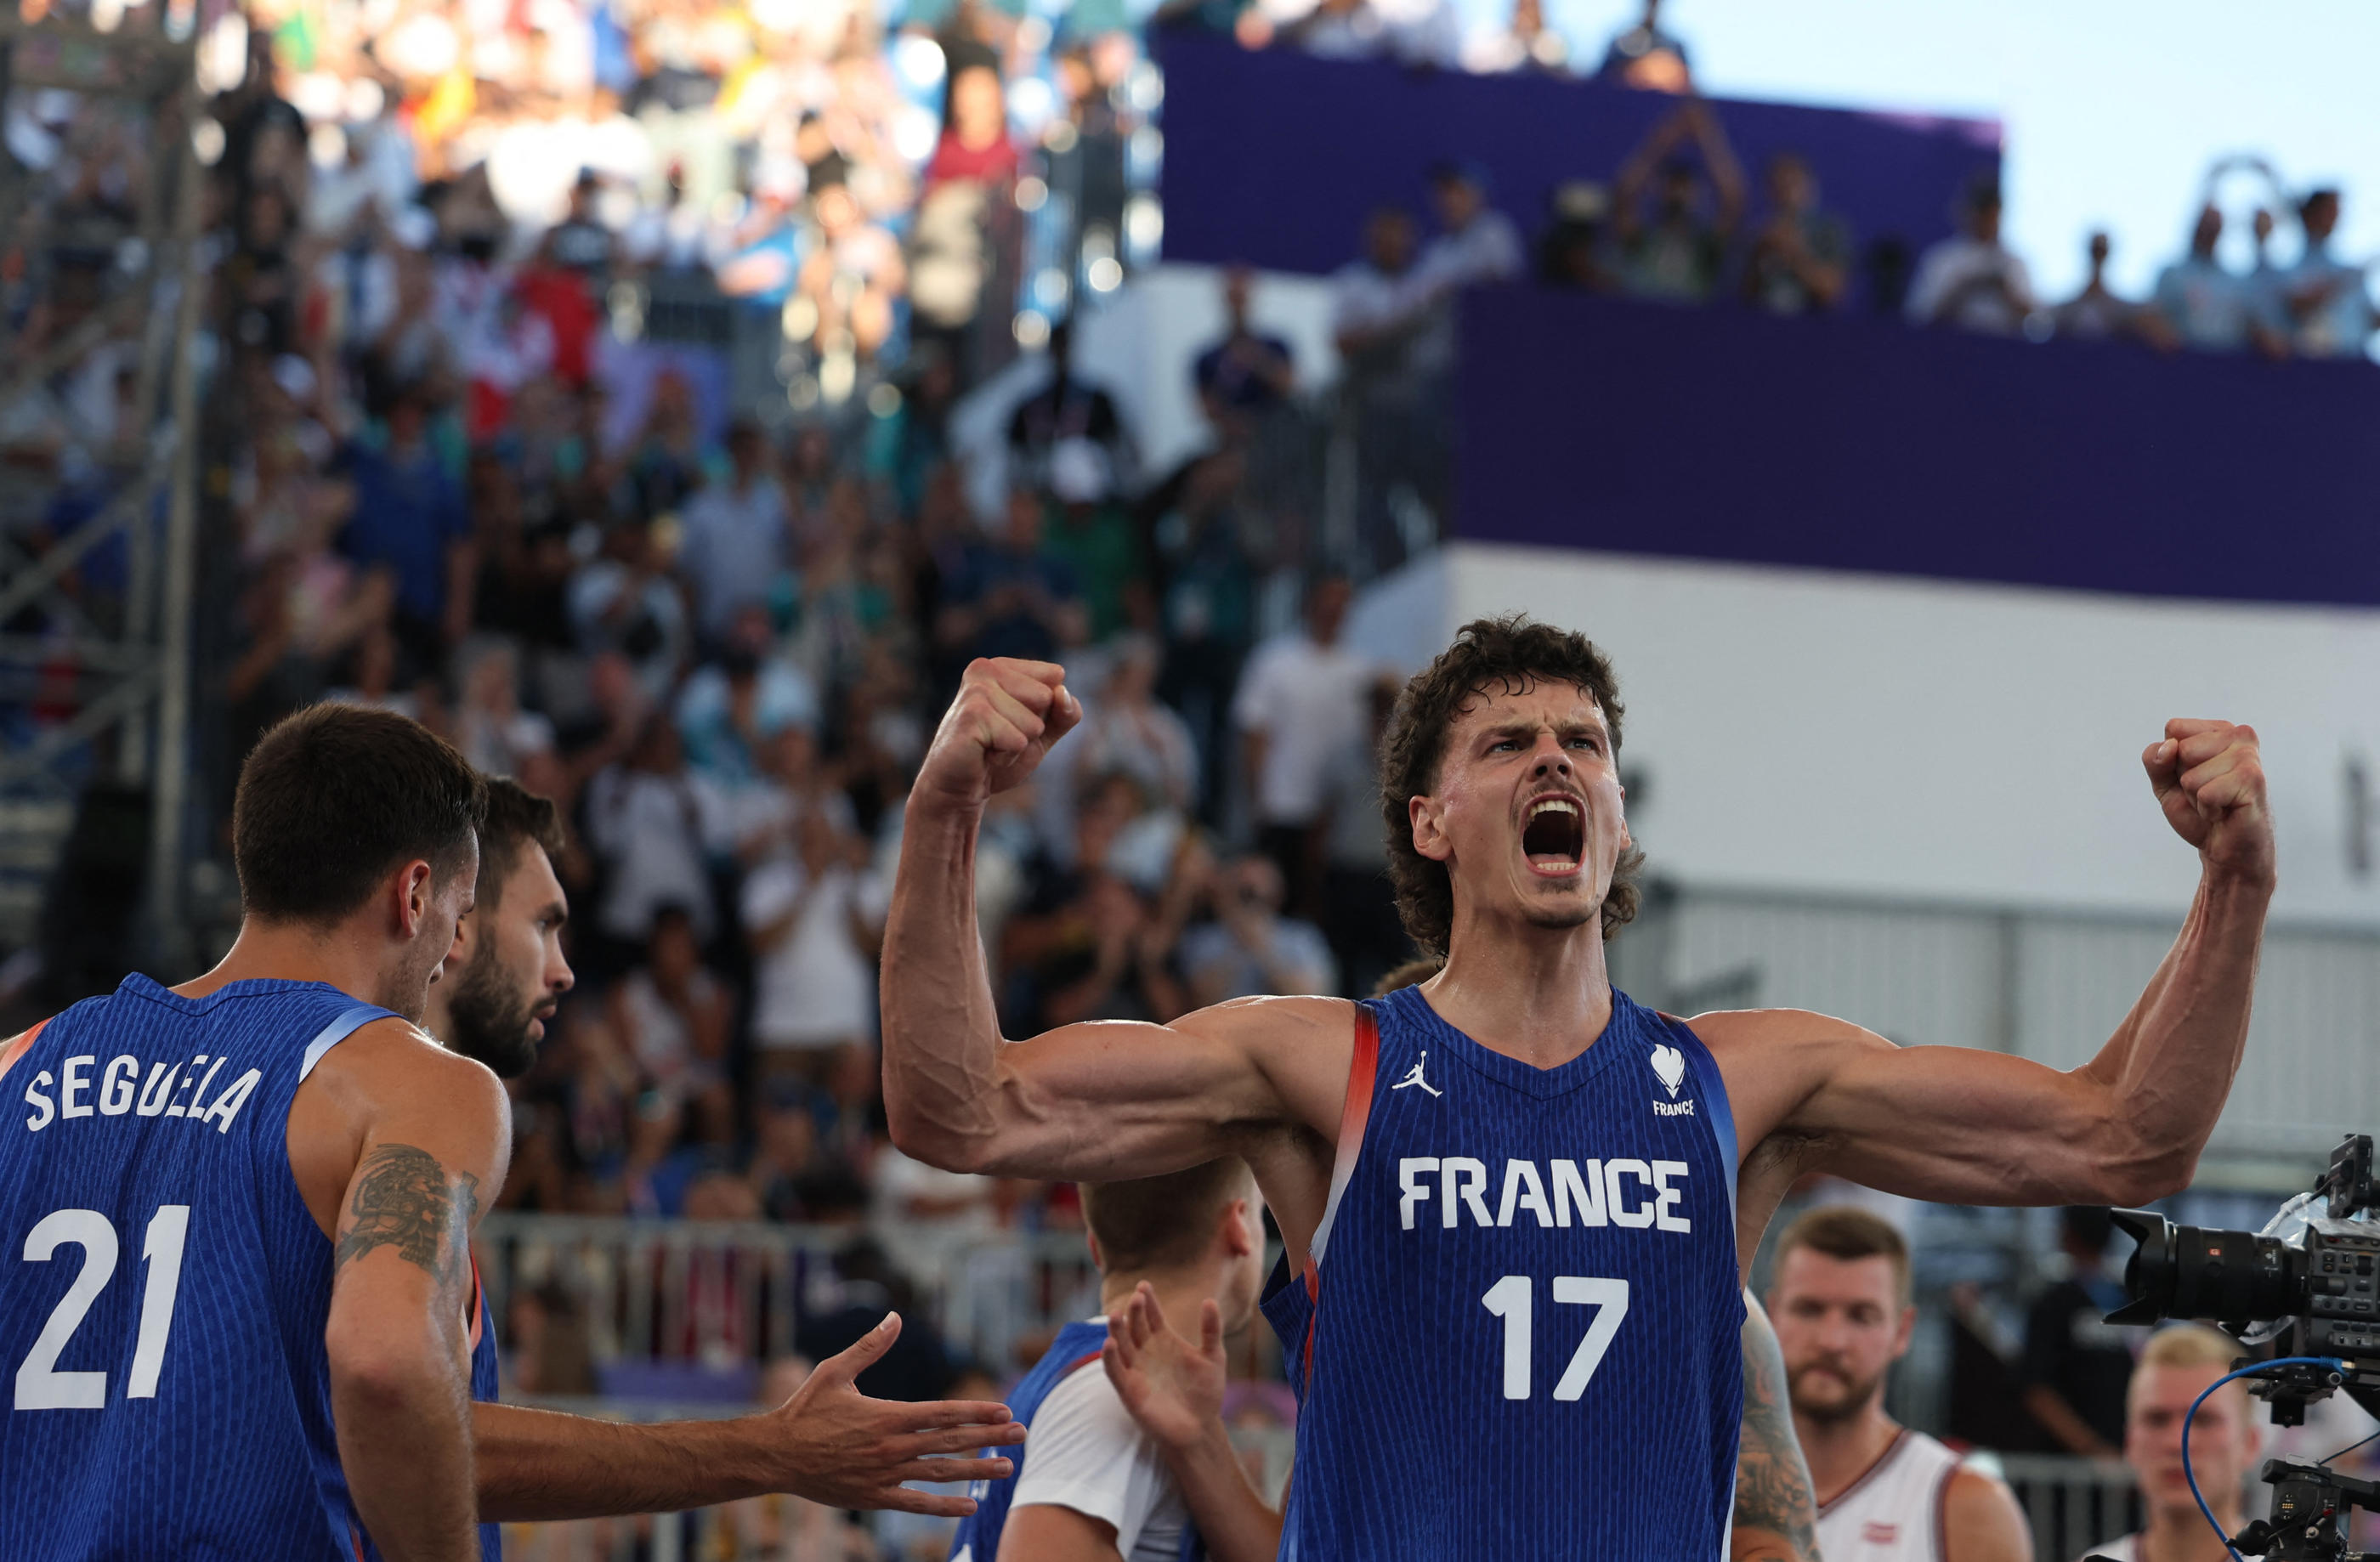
2178,1365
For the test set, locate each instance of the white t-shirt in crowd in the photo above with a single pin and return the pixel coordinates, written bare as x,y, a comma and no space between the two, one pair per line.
1948,268
2125,1550
815,987
1086,1453
1308,701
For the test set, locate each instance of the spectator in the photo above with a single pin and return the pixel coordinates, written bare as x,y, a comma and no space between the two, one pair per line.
1524,43
2075,1365
672,1015
1476,243
1575,249
853,275
2329,309
1124,730
1086,945
1677,252
1069,414
732,709
2182,1363
1972,280
655,825
975,145
496,735
1800,261
624,602
1303,701
2096,314
409,516
814,915
1250,947
736,549
1247,373
1647,56
2204,303
1015,597
1359,911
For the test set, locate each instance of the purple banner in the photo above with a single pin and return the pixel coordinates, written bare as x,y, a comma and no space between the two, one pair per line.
1857,444
1273,158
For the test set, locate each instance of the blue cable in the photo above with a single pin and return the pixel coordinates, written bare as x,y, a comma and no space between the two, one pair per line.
2333,1363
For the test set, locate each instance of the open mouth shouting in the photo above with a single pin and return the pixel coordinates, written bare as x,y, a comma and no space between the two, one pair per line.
1553,835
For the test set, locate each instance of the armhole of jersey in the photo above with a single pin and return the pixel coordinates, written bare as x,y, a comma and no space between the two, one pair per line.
1942,1510
349,1022
1721,1116
22,1045
1355,1111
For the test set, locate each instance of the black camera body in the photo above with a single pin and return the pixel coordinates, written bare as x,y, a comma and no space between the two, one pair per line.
2319,1300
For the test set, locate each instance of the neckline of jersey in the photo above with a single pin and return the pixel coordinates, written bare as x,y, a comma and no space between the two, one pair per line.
1505,1069
135,984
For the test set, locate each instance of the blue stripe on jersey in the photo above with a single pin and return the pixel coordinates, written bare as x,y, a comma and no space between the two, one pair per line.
1076,1349
163,1287
1535,1270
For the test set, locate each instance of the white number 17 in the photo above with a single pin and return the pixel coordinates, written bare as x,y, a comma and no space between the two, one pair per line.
1513,1299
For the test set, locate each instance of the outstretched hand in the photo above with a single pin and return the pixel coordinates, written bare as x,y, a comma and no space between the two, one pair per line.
1007,715
2209,778
844,1449
1175,1390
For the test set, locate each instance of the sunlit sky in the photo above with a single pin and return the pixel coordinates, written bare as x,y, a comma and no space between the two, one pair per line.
2111,109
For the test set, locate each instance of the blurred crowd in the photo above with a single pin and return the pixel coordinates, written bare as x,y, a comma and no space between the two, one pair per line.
446,475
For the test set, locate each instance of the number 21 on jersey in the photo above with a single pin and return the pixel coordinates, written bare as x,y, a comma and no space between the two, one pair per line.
40,1385
1513,1299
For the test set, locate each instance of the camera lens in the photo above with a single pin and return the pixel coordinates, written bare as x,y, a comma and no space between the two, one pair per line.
2200,1272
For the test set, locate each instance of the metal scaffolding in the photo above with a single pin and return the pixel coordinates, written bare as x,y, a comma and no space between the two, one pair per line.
111,673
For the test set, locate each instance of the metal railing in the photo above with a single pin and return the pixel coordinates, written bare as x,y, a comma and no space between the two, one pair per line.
2073,1504
731,1294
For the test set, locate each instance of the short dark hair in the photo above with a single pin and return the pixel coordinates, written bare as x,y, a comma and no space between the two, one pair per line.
516,820
1510,655
1160,1222
335,797
1846,1234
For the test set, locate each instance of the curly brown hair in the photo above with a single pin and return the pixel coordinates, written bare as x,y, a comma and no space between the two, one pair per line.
1508,655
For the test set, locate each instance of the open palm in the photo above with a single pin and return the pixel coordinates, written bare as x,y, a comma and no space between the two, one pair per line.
1173,1388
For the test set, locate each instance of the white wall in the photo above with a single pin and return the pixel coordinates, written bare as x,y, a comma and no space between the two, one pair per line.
1807,731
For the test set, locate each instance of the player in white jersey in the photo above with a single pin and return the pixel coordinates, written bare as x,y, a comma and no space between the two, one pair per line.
1886,1493
2178,1365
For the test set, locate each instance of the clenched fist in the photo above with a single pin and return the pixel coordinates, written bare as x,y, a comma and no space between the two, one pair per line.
2210,780
1007,715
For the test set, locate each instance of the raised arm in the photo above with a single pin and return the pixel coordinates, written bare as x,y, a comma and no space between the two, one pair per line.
1971,1127
1100,1100
828,1443
1174,1391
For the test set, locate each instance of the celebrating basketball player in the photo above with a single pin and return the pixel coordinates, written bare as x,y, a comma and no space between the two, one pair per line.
1519,1203
237,1308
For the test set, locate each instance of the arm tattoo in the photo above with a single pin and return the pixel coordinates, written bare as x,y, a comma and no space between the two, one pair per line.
403,1199
1772,1482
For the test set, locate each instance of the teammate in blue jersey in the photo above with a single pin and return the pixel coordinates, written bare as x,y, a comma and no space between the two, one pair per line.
1517,1204
285,1171
1093,1486
828,1443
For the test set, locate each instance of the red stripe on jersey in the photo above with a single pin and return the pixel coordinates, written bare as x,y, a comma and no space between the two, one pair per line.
20,1047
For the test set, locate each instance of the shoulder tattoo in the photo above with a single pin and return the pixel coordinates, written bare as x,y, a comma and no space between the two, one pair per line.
404,1199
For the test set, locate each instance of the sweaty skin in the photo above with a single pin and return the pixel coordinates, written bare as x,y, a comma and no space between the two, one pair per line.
1264,1078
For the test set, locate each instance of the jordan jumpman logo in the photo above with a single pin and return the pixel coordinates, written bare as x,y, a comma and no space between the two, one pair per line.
1415,1077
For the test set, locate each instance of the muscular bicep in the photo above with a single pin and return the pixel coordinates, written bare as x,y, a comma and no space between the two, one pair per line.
1047,1532
1947,1124
1116,1098
433,1156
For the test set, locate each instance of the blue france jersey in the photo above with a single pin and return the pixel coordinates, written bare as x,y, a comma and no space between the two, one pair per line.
1076,1349
163,1291
1533,1272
